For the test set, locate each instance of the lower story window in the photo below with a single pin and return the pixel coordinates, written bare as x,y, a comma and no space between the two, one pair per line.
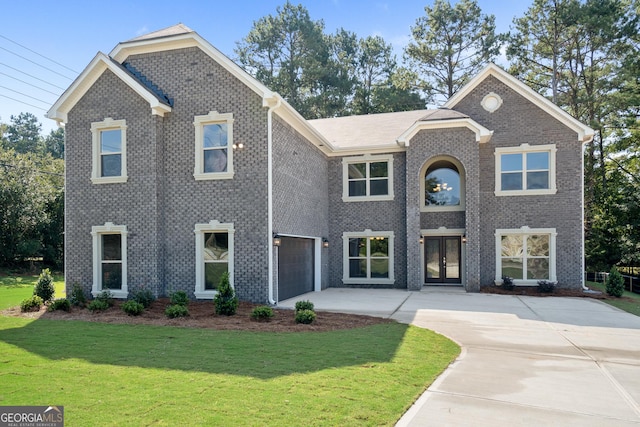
214,256
526,254
110,259
368,257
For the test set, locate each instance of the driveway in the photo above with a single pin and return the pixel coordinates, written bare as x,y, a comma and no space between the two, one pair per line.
525,361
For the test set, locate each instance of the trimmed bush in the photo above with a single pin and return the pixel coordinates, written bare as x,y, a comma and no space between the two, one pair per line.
262,313
615,283
133,308
98,305
545,286
176,310
225,301
144,297
304,305
106,297
305,316
33,303
507,283
60,304
77,298
44,287
179,298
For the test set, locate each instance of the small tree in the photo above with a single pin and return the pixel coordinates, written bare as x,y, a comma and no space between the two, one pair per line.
44,288
225,300
615,283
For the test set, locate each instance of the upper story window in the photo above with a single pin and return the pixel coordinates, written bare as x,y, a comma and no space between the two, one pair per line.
213,146
367,178
109,151
443,185
526,170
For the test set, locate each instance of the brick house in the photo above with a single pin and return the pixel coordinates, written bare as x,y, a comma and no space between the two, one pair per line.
181,166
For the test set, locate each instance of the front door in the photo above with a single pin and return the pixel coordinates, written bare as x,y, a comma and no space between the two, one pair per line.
442,259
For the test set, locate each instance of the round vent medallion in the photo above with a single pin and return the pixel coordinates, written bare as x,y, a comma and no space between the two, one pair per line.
491,102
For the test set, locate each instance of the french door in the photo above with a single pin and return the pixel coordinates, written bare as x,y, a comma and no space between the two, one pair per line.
442,259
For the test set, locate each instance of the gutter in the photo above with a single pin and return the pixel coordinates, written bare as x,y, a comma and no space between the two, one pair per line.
269,102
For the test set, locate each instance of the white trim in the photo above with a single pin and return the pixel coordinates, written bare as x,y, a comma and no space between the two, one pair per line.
585,133
482,133
526,231
97,231
96,132
444,231
367,234
200,230
524,149
463,182
367,159
199,122
491,102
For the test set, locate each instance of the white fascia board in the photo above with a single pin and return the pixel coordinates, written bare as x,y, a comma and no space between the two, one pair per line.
482,133
585,133
98,65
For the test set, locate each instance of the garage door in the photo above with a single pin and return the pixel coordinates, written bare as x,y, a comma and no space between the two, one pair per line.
295,267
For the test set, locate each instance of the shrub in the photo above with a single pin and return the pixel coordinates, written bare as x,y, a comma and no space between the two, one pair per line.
98,305
546,286
144,297
179,298
77,298
176,310
262,313
305,316
507,283
133,308
304,305
106,297
60,304
33,303
44,287
225,301
615,283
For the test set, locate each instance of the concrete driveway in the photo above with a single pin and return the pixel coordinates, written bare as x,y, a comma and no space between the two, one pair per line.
525,361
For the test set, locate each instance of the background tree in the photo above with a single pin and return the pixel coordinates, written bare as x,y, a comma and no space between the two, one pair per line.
450,45
22,134
54,143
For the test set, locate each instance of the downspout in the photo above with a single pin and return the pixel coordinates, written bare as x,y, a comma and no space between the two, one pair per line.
272,107
584,266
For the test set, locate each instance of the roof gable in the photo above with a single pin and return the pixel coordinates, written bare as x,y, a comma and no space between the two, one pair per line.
585,133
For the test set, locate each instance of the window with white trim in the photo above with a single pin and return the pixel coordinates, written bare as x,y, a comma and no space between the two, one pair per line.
213,146
214,256
109,151
367,178
110,259
525,170
368,257
442,185
526,254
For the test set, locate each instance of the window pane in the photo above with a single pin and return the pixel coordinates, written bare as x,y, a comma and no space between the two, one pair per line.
433,258
538,268
111,247
538,245
357,170
511,246
216,246
213,272
215,135
379,187
379,268
357,188
513,268
511,181
112,276
511,162
357,268
537,180
379,247
111,141
442,187
537,161
379,170
357,247
215,160
111,165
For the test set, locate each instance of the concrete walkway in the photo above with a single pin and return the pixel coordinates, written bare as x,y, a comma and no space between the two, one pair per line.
525,361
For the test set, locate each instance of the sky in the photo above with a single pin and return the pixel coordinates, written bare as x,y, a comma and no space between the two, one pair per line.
44,45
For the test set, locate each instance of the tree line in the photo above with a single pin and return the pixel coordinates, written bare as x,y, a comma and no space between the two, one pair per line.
581,54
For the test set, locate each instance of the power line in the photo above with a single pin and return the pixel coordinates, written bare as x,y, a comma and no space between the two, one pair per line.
33,77
27,83
24,94
7,165
39,65
39,54
22,102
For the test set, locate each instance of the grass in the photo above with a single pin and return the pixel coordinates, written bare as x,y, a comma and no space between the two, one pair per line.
15,288
631,304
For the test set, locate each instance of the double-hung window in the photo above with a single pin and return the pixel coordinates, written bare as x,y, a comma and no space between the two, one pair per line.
367,178
525,170
526,254
368,257
214,256
213,146
110,259
109,151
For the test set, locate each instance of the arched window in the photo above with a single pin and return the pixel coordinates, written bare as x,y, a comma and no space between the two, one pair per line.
442,186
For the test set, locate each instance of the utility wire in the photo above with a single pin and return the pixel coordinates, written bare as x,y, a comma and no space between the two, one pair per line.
39,65
24,94
33,77
7,165
39,54
22,102
32,85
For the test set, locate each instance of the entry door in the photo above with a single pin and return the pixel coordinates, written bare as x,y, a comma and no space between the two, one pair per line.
442,259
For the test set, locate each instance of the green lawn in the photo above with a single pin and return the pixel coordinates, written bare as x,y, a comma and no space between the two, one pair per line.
631,304
15,288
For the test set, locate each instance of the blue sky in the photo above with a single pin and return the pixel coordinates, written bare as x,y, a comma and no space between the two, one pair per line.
71,33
